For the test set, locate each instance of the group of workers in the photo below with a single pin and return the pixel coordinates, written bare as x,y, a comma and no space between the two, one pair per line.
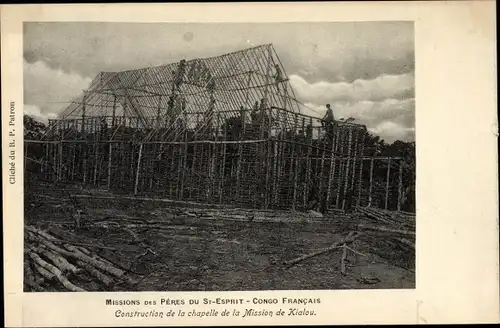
198,73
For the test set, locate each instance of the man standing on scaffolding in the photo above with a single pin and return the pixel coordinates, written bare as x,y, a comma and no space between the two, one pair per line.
328,121
278,75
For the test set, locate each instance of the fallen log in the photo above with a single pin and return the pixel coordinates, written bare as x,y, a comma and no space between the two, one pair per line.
39,232
73,252
140,241
397,217
60,262
57,273
84,250
105,279
97,257
374,216
43,272
384,229
99,265
348,239
355,251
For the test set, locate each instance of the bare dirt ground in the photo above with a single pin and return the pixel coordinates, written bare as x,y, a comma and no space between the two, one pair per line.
198,248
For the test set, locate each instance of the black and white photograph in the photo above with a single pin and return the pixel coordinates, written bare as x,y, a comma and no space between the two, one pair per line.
219,156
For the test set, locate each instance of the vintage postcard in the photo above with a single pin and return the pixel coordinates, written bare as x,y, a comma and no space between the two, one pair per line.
236,164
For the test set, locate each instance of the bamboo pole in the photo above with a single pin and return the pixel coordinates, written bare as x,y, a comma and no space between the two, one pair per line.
263,124
269,166
275,169
138,170
400,184
59,169
44,159
308,167
54,162
83,111
109,164
184,163
238,166
269,59
114,112
296,172
158,112
342,166
211,169
360,179
96,159
370,187
223,169
73,161
347,172
340,147
84,136
331,175
193,163
387,183
355,150
321,181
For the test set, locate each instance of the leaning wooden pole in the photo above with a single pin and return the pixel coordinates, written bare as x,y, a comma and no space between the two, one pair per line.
387,183
136,184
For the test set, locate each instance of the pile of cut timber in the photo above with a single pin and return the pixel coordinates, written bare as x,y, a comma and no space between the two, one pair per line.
399,227
391,218
50,263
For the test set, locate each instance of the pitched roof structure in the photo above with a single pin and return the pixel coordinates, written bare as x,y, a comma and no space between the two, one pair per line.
154,95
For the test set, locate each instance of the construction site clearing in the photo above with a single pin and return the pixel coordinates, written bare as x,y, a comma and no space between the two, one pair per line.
208,175
135,244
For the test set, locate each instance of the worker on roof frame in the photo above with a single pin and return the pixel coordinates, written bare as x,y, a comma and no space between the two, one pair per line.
278,75
328,120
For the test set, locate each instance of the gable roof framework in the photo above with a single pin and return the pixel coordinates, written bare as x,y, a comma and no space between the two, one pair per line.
146,95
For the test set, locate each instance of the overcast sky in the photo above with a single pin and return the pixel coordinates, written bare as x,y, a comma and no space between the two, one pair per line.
365,70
